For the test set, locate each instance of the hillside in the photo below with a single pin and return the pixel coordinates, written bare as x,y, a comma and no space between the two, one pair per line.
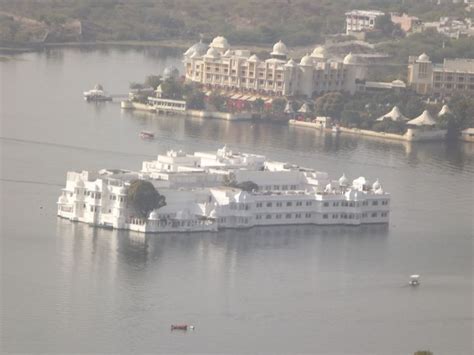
296,22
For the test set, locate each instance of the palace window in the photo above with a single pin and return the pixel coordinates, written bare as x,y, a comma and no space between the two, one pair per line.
279,204
297,215
289,203
326,204
308,215
334,216
284,187
299,203
325,216
278,216
374,214
269,204
259,204
288,216
335,204
308,203
293,187
259,216
375,203
268,216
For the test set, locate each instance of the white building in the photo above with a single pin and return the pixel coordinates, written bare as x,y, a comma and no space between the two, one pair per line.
361,20
197,199
221,67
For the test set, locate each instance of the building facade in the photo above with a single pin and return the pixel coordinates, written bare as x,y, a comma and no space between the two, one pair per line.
198,197
361,20
440,80
219,66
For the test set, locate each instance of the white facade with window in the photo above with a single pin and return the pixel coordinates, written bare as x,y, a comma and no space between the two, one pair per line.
361,20
203,192
217,66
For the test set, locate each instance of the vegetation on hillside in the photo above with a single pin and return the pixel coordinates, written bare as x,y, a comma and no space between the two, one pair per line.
297,22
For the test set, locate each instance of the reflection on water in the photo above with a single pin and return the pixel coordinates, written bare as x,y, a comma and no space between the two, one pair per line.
335,247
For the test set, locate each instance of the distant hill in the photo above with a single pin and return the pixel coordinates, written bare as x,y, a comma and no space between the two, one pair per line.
296,22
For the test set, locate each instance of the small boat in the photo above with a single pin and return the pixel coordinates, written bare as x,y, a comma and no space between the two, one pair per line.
182,327
96,94
336,129
414,280
147,135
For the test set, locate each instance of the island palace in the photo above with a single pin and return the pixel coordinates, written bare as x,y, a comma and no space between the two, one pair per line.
198,197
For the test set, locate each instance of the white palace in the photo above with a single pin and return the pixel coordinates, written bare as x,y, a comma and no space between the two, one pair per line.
219,66
198,200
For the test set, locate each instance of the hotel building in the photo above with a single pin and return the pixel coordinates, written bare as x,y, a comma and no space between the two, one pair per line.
440,80
217,66
361,20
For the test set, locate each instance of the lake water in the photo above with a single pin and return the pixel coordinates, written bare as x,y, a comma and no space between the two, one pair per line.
342,290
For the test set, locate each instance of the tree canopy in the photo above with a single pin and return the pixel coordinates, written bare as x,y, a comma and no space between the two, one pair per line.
144,198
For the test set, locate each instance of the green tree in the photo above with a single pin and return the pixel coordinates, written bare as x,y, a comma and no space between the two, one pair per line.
153,81
144,198
351,118
218,101
258,105
248,186
278,105
330,104
172,89
135,86
195,100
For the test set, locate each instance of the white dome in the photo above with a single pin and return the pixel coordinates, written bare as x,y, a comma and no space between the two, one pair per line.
343,180
379,191
350,59
170,72
212,53
319,52
80,183
279,48
220,43
253,58
290,63
154,215
98,87
306,60
423,58
376,185
199,48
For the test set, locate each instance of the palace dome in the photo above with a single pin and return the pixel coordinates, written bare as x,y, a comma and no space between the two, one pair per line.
423,58
80,183
199,48
212,53
98,87
219,42
154,215
279,48
170,72
376,185
253,58
306,60
350,59
319,52
290,63
343,180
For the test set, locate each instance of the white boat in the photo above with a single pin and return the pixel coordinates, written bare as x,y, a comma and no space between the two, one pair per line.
414,280
336,129
96,94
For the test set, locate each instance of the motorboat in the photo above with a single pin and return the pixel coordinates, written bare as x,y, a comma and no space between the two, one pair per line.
414,280
182,327
336,129
96,94
147,135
